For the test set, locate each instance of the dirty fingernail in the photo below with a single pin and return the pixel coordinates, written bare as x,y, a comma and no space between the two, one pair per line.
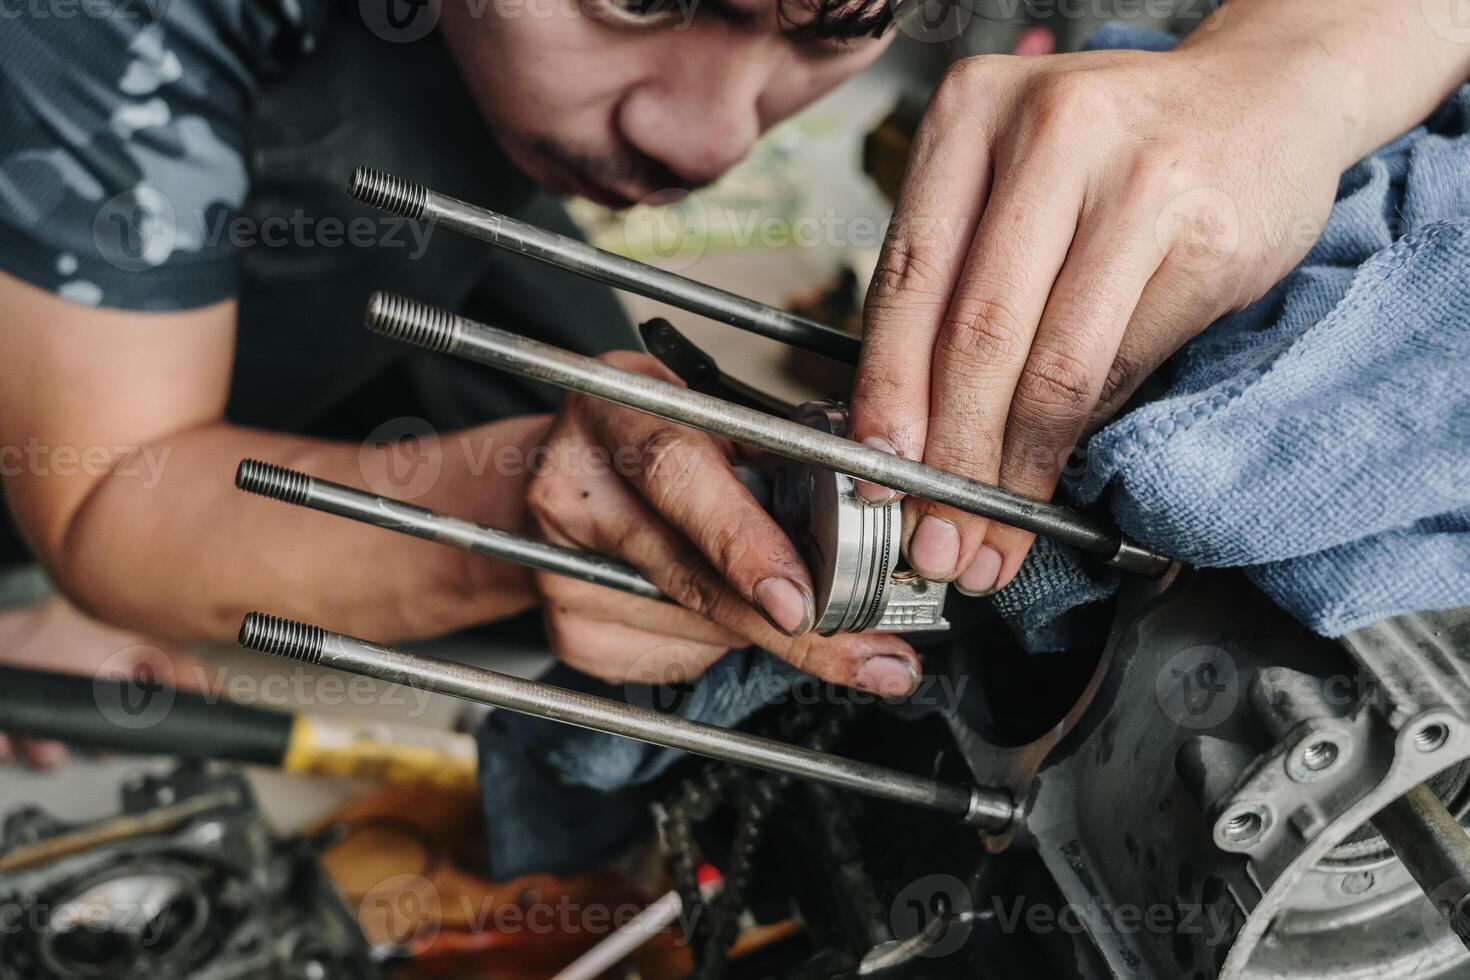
983,573
785,604
890,677
871,492
935,548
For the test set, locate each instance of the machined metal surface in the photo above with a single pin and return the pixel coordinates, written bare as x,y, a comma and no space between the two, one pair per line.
292,487
442,331
983,807
418,202
1240,761
851,547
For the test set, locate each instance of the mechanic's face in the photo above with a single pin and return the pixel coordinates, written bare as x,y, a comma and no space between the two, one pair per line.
592,97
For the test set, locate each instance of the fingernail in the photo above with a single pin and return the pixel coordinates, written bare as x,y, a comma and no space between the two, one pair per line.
983,573
934,548
785,604
889,677
871,492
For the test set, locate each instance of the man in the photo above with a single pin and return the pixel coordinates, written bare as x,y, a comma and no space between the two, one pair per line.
178,295
1045,257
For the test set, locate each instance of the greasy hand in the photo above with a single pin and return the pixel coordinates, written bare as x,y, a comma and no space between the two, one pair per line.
664,498
1066,223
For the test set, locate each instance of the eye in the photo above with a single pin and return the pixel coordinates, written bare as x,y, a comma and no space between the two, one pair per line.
634,13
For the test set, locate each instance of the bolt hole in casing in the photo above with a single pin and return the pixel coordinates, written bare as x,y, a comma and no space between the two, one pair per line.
1248,812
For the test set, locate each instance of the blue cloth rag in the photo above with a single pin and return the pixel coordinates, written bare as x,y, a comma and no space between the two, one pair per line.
1319,439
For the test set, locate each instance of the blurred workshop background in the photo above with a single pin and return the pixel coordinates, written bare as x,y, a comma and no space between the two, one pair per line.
798,224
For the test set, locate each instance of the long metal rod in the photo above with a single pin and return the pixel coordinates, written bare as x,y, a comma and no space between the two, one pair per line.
293,487
1436,851
988,808
417,202
440,330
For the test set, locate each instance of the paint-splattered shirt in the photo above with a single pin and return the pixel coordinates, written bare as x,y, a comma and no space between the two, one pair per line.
122,141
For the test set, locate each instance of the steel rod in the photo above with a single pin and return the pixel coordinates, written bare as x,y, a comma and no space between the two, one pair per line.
1436,851
294,487
988,808
417,202
439,330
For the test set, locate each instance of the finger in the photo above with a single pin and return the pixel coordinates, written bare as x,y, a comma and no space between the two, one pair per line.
1019,248
880,663
686,478
933,223
568,597
617,652
1111,260
622,523
43,754
1171,310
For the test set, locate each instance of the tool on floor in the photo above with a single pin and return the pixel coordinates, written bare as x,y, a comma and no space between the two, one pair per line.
142,716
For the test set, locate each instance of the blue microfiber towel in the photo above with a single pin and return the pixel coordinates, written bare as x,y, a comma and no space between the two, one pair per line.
1320,439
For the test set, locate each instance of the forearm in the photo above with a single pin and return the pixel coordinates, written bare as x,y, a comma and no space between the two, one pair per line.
1378,68
168,545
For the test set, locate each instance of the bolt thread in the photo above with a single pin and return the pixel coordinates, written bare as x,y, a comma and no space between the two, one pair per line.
380,190
283,637
272,481
412,322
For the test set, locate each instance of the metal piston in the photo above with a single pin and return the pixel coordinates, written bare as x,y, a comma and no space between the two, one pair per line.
850,546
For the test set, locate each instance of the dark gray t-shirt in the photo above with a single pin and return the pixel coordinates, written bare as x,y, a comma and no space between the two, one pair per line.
123,132
169,163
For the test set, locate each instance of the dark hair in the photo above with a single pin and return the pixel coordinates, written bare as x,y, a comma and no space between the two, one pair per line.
835,19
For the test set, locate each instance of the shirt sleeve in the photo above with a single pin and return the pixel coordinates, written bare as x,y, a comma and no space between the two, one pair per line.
122,166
